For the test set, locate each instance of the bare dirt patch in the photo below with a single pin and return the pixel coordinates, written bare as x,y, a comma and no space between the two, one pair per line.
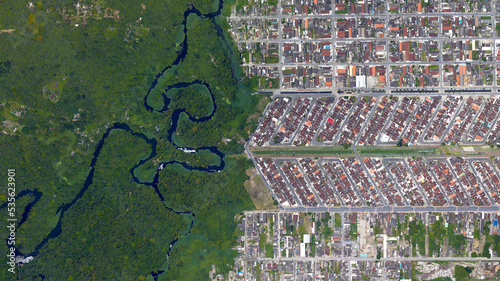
480,246
7,31
475,246
258,192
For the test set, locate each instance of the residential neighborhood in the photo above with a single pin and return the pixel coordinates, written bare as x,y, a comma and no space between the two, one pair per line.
374,181
279,245
379,120
369,44
381,143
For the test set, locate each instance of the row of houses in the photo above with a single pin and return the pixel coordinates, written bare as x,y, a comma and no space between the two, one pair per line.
361,76
382,231
373,181
397,27
370,121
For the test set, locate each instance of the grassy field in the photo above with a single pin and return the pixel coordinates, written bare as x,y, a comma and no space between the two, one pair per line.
301,151
399,151
333,151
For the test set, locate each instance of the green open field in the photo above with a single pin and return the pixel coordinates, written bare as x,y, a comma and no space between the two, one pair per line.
339,151
301,151
399,151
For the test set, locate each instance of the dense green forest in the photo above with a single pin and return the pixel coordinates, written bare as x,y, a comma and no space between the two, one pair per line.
67,73
116,230
216,198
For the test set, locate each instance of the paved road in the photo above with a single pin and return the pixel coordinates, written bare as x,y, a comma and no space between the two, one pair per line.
406,209
313,259
374,64
386,209
305,40
324,92
347,16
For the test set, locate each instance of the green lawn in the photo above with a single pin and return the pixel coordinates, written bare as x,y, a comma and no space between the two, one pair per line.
332,151
397,151
302,151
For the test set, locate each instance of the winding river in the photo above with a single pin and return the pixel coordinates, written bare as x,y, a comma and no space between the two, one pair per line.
57,230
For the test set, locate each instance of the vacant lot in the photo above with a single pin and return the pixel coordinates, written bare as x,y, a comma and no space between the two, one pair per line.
257,190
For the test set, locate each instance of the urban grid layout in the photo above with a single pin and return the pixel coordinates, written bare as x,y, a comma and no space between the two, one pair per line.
250,140
380,143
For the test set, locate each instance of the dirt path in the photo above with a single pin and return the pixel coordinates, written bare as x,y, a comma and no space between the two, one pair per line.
426,244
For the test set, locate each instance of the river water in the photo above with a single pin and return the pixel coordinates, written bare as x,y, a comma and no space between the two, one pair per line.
56,231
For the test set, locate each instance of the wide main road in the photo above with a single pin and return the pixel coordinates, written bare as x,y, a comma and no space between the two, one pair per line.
347,16
389,209
309,259
384,209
